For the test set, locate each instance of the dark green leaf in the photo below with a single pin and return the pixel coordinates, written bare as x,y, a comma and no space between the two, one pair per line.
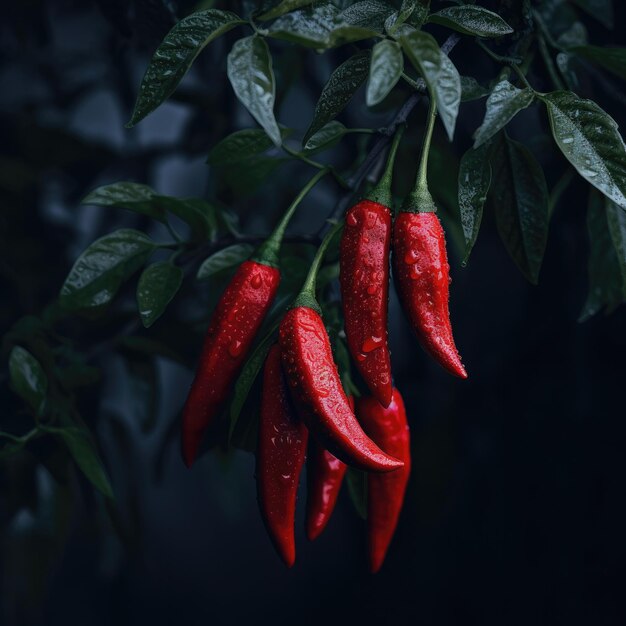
503,104
474,181
283,7
606,282
100,270
308,27
175,55
448,94
252,77
131,196
84,453
239,146
248,375
357,488
589,139
326,137
471,89
369,14
386,66
338,91
199,214
520,197
224,259
157,286
602,10
28,379
246,177
472,20
612,59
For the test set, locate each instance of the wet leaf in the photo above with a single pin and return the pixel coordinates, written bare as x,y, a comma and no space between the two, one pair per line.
471,89
100,270
224,259
177,52
283,7
28,378
252,78
240,145
520,197
474,182
338,91
472,20
503,104
370,14
157,286
386,66
326,137
589,139
132,196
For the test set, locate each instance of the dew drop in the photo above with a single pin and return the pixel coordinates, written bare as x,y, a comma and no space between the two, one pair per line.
256,281
351,219
235,348
371,343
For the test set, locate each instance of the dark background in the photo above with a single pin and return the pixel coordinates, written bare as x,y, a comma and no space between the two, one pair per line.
514,512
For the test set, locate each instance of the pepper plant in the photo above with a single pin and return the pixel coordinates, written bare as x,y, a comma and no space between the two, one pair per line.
485,71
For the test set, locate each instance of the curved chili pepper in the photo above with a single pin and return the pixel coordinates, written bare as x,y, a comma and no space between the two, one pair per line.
364,278
385,492
281,451
325,474
314,381
422,276
232,329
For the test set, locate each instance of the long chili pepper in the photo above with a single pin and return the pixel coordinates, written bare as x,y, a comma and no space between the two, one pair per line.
325,474
281,451
232,329
315,384
421,269
385,492
364,277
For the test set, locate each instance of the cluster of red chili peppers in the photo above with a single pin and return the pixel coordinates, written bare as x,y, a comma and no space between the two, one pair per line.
302,391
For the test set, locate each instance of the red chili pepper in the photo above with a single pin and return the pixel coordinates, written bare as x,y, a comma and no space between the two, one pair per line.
325,474
314,381
364,278
232,329
281,452
385,492
422,277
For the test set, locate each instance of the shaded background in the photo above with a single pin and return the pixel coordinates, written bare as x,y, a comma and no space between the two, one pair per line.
514,513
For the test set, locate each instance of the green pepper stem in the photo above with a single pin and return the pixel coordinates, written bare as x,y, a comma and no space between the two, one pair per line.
420,200
267,252
306,297
382,192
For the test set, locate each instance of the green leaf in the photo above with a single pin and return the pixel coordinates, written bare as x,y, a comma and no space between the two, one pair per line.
589,139
606,283
326,137
616,218
472,20
28,379
474,182
252,77
80,444
199,214
520,197
248,375
471,89
283,7
239,146
224,259
246,177
132,196
157,286
386,66
175,55
441,76
602,10
612,59
370,14
338,91
503,104
100,270
357,488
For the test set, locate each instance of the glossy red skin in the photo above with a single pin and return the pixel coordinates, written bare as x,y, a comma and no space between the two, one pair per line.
316,387
422,277
232,328
281,451
325,474
364,278
385,492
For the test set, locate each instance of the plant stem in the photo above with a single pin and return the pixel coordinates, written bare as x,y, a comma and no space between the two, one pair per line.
422,171
382,192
